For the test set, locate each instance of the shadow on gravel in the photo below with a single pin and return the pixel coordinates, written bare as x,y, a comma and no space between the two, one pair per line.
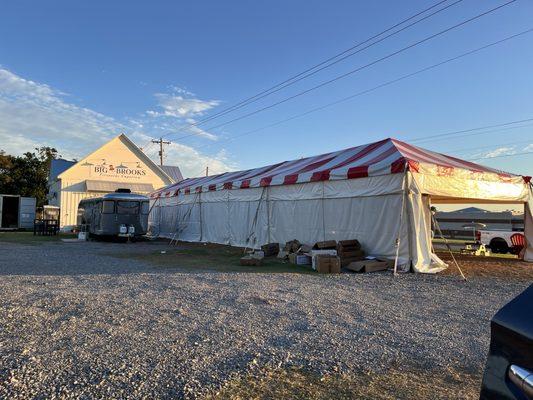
296,383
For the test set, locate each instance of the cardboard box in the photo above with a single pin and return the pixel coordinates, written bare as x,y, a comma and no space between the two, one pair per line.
251,261
299,259
292,246
328,264
315,253
348,260
270,249
351,254
348,244
367,266
326,245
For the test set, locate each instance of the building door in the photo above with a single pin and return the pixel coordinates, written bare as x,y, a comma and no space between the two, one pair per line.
10,212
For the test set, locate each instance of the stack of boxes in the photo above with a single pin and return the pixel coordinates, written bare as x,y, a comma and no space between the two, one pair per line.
349,251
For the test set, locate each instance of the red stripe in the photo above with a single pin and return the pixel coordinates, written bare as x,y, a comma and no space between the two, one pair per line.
198,189
362,170
414,166
248,179
187,190
319,175
265,181
290,179
358,172
228,185
398,166
212,187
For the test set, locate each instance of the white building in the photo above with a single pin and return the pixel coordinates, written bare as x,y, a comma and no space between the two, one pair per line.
117,164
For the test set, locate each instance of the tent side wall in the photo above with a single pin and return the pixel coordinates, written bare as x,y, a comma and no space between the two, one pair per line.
367,209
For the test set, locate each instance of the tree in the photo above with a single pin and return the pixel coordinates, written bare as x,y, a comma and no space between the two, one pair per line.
27,175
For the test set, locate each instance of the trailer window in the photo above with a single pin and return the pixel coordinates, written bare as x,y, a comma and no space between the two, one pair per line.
145,207
108,207
127,207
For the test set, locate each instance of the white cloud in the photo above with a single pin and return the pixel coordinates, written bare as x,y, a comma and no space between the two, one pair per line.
180,110
500,151
191,162
34,114
529,147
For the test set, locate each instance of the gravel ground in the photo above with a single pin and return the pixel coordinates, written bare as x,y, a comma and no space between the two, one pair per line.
75,323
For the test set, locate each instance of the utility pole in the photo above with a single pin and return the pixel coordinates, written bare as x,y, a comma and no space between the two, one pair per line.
207,171
161,142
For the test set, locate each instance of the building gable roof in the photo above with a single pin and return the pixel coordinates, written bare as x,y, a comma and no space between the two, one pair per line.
134,149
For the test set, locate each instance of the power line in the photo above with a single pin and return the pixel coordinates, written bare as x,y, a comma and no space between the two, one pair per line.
493,145
366,91
358,69
426,138
326,63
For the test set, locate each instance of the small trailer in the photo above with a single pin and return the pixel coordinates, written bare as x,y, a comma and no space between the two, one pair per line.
16,212
121,214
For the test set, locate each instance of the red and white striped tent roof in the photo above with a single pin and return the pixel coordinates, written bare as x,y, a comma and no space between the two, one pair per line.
388,156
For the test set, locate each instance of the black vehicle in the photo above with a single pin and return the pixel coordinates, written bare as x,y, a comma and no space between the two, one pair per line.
509,369
114,214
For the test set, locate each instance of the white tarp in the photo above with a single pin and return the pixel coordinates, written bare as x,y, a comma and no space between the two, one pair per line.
366,209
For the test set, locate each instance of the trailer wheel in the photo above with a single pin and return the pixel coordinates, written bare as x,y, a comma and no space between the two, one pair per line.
499,246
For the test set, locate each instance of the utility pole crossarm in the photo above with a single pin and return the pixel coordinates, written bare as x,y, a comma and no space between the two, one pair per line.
161,142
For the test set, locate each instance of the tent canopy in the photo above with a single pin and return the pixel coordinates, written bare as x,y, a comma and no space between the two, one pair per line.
385,157
377,193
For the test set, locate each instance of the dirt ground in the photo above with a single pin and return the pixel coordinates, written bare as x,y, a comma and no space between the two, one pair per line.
495,267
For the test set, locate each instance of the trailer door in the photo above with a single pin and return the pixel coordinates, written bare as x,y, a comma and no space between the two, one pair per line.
27,212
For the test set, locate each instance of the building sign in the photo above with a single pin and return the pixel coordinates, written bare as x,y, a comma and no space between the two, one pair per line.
120,171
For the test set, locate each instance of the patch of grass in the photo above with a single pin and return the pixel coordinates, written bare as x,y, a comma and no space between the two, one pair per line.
297,383
30,239
194,257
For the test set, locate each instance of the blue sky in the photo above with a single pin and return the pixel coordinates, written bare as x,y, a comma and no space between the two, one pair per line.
73,74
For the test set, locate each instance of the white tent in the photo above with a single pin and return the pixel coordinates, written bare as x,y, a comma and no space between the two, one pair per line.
376,193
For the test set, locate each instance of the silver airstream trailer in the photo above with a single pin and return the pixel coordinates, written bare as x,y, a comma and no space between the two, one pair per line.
119,214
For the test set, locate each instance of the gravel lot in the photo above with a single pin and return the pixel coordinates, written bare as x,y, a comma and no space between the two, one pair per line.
76,323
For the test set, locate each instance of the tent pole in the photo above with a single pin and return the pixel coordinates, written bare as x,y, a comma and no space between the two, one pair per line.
400,227
201,223
323,215
268,214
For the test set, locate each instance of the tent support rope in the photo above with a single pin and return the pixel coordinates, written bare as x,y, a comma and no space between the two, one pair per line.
175,236
254,222
447,245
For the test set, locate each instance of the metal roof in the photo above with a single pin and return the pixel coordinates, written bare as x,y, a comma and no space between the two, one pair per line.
173,172
59,166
